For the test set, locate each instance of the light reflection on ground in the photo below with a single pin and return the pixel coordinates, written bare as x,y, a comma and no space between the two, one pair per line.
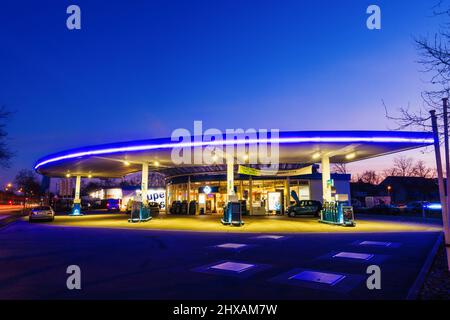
272,224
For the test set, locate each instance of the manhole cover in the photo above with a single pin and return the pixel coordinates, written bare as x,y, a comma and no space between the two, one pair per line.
233,266
375,243
354,255
318,277
231,245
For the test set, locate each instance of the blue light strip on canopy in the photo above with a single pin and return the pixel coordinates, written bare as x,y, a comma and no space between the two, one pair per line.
420,139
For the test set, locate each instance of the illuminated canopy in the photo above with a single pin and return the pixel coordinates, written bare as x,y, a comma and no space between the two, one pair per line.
302,147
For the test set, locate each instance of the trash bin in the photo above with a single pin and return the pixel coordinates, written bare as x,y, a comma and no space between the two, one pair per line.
192,207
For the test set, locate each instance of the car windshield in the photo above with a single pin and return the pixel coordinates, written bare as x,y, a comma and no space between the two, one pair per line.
41,208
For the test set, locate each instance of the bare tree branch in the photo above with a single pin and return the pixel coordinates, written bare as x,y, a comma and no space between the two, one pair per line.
340,168
434,59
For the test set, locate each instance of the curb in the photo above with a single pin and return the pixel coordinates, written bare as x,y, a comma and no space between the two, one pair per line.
5,222
414,291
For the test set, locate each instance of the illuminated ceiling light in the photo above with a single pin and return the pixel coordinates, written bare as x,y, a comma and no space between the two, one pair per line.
350,156
9,185
67,175
156,163
316,155
126,163
245,157
89,176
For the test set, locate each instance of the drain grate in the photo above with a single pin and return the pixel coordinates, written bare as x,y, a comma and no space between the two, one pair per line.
231,245
329,279
354,255
375,243
269,236
233,266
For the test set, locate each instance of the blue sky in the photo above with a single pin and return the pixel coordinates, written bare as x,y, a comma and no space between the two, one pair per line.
139,69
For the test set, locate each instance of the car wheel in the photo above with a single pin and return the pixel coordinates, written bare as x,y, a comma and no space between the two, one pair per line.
291,214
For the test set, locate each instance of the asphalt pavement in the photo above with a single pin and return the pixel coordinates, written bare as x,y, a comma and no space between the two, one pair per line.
149,264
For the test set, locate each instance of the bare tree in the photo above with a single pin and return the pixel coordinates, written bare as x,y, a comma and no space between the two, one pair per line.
369,176
434,59
5,152
421,170
404,166
389,172
27,181
340,168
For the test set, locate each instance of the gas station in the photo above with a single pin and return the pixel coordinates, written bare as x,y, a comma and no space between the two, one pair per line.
234,186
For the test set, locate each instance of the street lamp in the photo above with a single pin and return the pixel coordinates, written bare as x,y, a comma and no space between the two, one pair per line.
389,188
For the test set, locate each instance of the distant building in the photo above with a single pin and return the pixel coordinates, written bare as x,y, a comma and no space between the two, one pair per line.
367,194
66,187
405,189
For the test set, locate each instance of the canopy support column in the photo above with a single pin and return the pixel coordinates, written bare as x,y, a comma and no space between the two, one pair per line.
230,178
144,183
76,208
189,190
326,177
250,194
287,190
166,198
241,190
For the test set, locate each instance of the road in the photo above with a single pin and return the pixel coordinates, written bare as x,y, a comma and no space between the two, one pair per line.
148,264
9,209
9,213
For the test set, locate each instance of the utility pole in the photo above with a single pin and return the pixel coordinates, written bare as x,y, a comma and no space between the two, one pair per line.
437,152
447,173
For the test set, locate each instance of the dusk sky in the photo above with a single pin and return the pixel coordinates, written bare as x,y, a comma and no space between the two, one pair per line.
140,69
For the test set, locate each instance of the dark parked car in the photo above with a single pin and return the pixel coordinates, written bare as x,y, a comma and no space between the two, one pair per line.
423,207
113,204
416,206
305,207
384,209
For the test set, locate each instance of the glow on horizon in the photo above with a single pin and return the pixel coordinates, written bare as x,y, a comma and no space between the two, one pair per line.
146,147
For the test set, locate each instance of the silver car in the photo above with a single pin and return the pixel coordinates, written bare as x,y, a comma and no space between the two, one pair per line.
41,213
